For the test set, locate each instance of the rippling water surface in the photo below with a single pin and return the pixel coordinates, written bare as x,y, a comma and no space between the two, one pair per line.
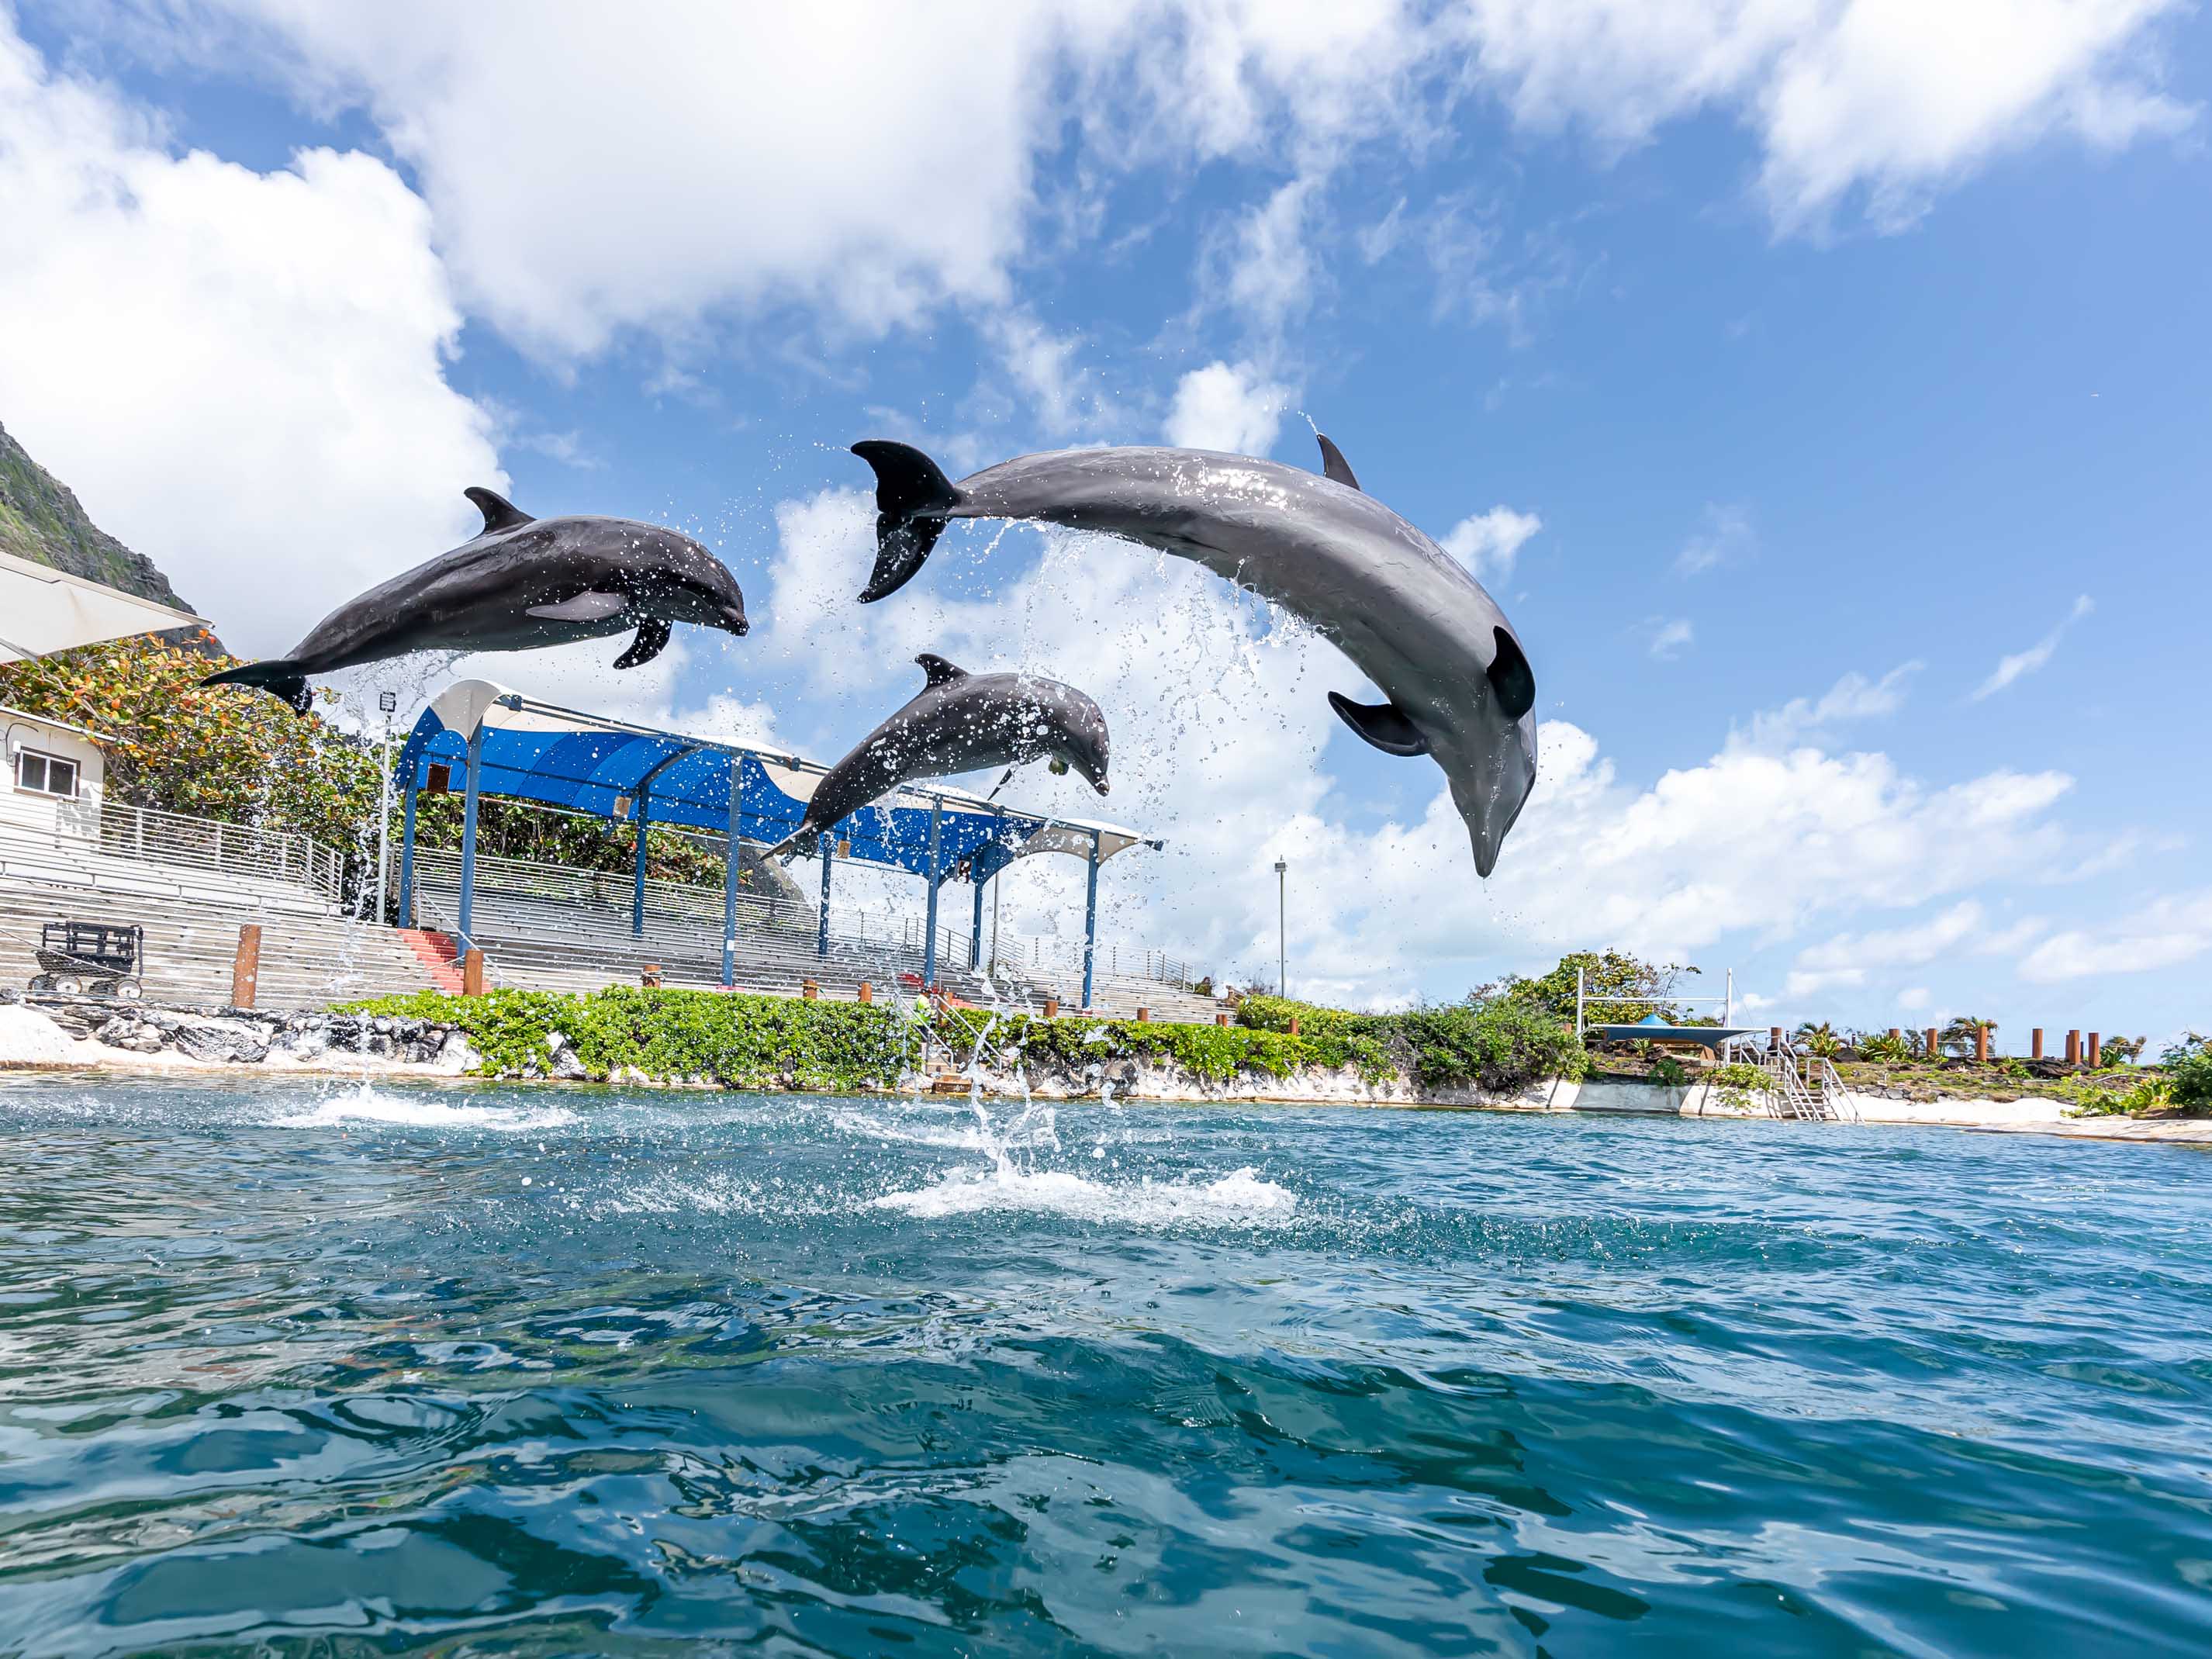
306,1368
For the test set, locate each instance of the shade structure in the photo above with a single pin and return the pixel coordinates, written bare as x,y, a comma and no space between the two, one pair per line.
1652,1029
42,610
492,740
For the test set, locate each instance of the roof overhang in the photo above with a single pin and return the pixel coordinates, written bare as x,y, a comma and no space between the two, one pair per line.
42,610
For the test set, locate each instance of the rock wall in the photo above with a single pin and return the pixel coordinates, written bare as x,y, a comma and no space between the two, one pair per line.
233,1036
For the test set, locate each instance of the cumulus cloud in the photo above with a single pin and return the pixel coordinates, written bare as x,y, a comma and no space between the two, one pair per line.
1847,959
1234,407
237,371
2023,663
1488,542
2163,933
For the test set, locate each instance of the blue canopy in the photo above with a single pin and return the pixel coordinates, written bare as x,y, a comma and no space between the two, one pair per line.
535,751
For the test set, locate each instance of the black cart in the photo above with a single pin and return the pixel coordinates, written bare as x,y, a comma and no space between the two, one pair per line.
95,957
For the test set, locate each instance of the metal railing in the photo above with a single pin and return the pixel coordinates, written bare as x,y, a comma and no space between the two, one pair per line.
174,841
1114,960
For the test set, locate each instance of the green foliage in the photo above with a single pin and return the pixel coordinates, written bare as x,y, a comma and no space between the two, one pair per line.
2121,1051
2189,1071
1212,1053
1738,1084
741,1041
1500,1043
1887,1050
2153,1094
1669,1073
1958,1037
1608,974
1819,1040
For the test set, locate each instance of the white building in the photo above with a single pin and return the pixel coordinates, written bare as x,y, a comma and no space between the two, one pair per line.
56,775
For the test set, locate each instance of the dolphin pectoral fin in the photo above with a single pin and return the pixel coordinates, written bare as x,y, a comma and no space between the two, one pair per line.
587,607
1334,465
652,639
912,498
500,513
1381,724
937,671
1511,678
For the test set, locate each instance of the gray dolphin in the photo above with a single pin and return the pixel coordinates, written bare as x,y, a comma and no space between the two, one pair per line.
957,722
521,582
1460,687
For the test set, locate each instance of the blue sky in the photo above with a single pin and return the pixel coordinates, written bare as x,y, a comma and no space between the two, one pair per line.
1784,371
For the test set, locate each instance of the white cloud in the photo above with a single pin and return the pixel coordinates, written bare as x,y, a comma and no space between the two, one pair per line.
1853,697
2022,663
1847,959
1670,638
2164,933
1487,543
1913,999
1724,535
239,372
1887,100
1225,406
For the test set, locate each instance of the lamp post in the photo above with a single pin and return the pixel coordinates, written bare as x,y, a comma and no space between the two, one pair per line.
387,704
1282,932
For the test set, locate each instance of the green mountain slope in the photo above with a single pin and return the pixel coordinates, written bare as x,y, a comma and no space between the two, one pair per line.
41,519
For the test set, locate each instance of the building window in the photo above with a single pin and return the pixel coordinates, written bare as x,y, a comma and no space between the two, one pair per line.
46,774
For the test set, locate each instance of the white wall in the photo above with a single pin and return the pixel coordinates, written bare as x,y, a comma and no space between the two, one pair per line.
47,814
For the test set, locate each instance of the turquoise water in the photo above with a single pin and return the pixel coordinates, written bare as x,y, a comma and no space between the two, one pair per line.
319,1370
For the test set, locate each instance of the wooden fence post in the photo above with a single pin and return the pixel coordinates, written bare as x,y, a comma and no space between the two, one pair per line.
867,992
2096,1049
1052,1008
1981,1045
472,983
2035,1043
2073,1048
1221,1019
245,967
1934,1049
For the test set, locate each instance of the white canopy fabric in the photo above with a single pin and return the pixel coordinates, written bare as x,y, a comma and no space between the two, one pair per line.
42,610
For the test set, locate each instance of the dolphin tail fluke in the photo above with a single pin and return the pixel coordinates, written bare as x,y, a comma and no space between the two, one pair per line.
279,676
913,501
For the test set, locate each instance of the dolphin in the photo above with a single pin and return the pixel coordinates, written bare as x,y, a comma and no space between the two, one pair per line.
957,722
1413,619
521,582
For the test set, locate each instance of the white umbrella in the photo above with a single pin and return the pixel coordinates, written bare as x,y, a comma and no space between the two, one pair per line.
42,610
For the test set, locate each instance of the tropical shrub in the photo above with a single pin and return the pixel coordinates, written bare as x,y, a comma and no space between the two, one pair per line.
2188,1065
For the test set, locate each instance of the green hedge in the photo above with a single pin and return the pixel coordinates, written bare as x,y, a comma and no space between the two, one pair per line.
761,1041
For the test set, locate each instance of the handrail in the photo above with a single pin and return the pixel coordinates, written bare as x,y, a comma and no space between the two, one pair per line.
146,835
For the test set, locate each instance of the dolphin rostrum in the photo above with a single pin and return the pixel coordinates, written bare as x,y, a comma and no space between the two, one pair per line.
1459,686
521,582
957,722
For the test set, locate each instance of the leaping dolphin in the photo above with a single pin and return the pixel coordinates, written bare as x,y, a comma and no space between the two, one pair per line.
1407,612
521,582
957,722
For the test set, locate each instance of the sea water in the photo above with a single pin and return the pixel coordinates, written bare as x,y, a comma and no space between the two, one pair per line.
328,1369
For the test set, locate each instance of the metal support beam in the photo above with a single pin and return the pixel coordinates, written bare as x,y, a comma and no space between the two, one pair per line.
936,875
976,939
822,936
730,864
469,837
1091,923
407,856
639,815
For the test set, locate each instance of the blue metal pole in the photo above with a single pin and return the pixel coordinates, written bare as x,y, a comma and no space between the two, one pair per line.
929,938
637,893
976,939
407,855
469,837
821,939
1091,923
730,873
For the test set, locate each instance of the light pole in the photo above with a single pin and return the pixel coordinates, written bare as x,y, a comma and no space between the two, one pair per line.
387,704
1282,933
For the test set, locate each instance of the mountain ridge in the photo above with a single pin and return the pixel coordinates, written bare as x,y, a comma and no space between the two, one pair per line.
42,520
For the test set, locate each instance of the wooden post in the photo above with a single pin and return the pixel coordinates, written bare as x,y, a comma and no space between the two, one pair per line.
472,983
2096,1049
1052,1008
649,976
1144,1016
1896,1035
1934,1049
2073,1048
245,967
1295,1031
809,989
2035,1043
1981,1045
1774,1037
1221,1019
867,992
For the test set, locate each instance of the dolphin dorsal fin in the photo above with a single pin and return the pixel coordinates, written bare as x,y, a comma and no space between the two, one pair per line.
939,672
1334,466
500,513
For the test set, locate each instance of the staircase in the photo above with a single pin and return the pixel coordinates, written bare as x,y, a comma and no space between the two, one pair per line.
1789,1094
